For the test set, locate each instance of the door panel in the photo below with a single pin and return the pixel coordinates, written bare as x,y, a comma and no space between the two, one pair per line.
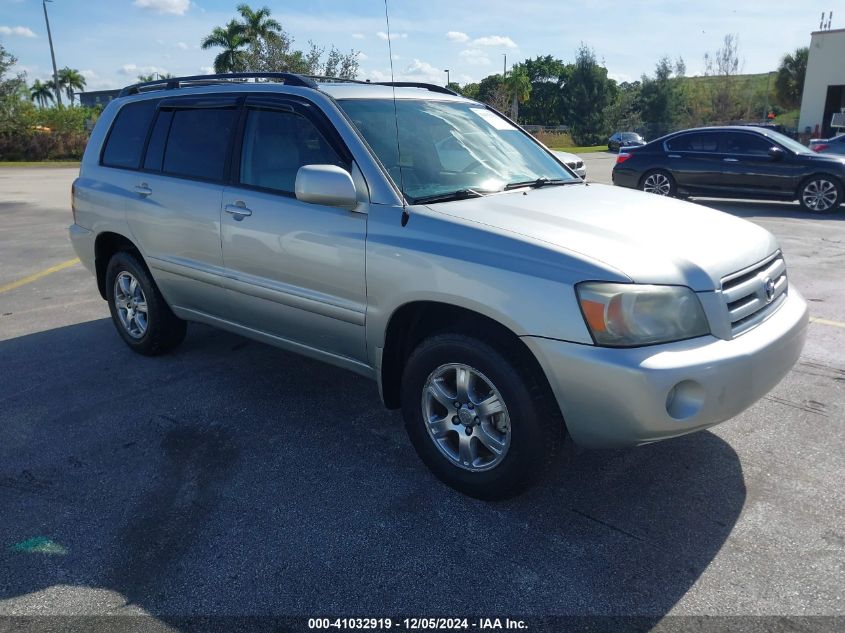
177,226
174,210
748,169
294,270
695,162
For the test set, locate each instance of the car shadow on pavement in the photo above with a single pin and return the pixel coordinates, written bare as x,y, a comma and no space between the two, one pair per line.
231,478
768,209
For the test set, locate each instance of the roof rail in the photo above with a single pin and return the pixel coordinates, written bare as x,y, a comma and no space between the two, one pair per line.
339,80
173,83
415,84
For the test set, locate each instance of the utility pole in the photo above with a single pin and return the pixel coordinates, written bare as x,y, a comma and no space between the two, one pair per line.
505,66
53,55
447,77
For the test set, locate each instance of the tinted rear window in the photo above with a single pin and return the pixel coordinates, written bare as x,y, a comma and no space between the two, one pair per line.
128,134
697,142
198,144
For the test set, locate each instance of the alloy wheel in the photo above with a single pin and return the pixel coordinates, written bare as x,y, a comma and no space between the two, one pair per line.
657,183
131,305
819,195
466,417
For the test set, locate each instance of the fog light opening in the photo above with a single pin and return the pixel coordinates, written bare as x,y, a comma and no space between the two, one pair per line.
684,400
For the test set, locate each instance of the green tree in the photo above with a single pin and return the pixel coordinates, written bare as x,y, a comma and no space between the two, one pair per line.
70,81
154,77
258,25
661,100
232,40
41,93
544,107
789,84
518,87
586,95
724,66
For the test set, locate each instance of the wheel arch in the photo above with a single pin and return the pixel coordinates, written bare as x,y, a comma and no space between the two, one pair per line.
412,322
105,246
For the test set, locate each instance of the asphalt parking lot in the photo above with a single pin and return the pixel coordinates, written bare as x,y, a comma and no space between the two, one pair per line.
231,478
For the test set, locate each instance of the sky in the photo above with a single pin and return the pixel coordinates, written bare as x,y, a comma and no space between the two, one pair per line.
112,41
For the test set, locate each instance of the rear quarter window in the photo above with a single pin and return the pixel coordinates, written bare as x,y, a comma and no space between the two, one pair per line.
126,139
695,142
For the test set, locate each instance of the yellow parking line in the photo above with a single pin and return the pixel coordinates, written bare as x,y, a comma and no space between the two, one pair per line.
827,322
41,273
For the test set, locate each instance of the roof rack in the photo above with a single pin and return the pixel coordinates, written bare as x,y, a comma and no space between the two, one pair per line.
173,83
416,84
290,79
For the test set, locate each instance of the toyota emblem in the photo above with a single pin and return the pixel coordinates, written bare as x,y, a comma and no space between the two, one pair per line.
769,287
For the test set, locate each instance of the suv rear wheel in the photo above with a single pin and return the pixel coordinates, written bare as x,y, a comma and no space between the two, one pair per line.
820,194
479,421
139,312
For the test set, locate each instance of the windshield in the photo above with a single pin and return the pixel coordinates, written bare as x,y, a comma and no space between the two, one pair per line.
451,148
788,143
630,137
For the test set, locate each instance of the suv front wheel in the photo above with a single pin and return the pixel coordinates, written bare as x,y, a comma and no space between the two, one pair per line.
481,423
142,317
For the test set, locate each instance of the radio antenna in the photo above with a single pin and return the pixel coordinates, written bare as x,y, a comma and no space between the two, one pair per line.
405,215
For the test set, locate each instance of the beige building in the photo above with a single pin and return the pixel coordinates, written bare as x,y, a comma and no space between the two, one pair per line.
824,86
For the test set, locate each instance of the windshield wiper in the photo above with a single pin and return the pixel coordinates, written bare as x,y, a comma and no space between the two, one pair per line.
539,182
460,194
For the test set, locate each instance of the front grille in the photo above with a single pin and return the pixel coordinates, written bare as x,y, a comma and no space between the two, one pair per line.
755,292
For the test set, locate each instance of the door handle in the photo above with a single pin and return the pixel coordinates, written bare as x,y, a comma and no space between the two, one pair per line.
674,155
731,160
239,210
143,190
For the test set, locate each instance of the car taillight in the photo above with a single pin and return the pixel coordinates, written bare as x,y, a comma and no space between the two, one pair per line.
820,147
621,157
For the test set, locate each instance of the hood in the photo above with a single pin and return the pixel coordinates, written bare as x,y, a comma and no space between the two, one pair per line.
648,238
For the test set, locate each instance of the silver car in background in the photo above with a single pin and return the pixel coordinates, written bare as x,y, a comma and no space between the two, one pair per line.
575,163
494,297
833,145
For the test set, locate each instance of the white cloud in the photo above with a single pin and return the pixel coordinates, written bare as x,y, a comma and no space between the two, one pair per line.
20,31
457,36
133,69
206,70
176,7
89,74
182,45
357,36
419,70
494,40
474,56
362,57
394,36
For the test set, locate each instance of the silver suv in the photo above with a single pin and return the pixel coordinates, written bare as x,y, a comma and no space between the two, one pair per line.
425,241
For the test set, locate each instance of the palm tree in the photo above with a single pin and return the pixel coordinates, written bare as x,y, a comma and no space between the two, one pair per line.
518,85
258,25
41,93
70,80
231,39
154,77
789,83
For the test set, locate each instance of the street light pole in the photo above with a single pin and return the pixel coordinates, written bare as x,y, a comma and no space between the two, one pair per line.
505,66
447,77
52,55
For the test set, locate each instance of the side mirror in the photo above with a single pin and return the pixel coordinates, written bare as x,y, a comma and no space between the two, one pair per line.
776,153
328,185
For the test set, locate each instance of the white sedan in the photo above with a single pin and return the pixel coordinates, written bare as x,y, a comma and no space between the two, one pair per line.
575,163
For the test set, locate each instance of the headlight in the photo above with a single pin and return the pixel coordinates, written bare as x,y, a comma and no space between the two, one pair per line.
627,315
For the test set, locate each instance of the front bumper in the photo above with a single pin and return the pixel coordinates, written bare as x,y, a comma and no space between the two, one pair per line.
621,397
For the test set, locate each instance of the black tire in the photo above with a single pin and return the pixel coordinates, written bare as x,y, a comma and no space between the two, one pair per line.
536,427
164,330
653,178
819,204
